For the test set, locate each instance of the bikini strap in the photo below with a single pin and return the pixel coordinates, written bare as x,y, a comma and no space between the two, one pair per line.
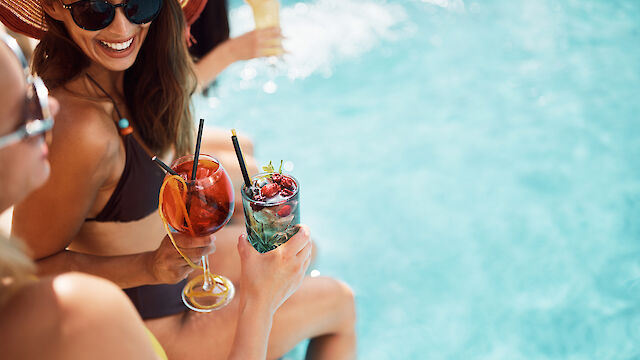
124,127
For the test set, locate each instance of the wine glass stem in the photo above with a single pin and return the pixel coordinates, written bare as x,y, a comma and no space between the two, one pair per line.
206,284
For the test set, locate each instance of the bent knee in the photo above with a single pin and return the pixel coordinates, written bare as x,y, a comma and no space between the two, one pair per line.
342,300
348,302
247,143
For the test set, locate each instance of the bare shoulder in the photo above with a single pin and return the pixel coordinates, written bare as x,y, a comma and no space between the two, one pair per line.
85,145
72,316
82,124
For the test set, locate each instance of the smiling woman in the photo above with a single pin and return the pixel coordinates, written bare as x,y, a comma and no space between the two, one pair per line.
161,112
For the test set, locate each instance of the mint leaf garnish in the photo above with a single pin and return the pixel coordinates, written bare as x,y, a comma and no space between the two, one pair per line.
269,168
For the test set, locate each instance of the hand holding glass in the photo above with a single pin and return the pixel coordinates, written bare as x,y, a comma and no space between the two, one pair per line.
199,207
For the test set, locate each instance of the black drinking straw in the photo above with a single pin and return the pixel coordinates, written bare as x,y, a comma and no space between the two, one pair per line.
195,164
243,167
163,165
197,153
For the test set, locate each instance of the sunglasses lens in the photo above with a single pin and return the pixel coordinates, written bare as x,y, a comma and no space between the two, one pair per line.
34,110
142,11
38,119
92,14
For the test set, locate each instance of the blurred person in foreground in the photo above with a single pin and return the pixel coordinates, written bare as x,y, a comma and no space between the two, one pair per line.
68,316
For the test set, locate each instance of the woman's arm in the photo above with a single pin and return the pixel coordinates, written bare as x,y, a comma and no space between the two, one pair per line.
267,281
247,46
162,266
252,332
81,156
82,162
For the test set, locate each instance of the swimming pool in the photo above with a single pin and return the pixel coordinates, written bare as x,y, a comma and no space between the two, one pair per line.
469,167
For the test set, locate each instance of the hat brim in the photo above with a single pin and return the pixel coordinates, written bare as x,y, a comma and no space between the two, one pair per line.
27,16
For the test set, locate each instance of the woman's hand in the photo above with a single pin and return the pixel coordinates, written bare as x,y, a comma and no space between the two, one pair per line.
272,277
167,266
256,43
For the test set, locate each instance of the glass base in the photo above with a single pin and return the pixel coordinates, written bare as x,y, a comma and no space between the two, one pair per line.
197,299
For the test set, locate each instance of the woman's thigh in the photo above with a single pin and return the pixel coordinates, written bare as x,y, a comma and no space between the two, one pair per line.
320,306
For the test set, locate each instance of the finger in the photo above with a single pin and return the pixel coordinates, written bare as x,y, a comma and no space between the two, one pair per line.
270,31
271,37
209,249
306,264
186,242
244,246
186,271
298,241
196,253
197,260
271,51
271,43
306,251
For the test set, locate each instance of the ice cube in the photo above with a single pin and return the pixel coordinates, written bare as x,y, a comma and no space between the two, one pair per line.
265,216
281,224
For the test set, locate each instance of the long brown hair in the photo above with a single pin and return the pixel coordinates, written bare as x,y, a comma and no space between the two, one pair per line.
210,29
157,88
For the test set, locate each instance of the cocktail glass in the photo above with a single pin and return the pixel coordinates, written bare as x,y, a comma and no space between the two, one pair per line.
266,13
271,210
199,207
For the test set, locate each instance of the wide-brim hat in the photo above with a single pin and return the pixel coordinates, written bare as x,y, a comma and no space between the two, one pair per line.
27,16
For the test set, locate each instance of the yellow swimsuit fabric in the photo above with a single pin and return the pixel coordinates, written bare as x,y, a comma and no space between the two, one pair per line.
156,346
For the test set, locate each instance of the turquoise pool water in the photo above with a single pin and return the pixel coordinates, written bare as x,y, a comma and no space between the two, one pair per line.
471,168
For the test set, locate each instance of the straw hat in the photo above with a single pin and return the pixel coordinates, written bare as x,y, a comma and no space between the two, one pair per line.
27,17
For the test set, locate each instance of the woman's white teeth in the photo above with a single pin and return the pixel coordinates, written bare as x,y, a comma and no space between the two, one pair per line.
117,46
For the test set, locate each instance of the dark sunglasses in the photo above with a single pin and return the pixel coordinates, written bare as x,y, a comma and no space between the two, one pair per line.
94,15
37,117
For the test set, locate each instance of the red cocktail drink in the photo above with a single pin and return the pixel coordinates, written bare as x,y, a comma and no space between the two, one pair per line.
199,207
207,202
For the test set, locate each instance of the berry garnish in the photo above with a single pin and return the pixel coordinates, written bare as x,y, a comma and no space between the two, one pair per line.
270,190
284,211
256,207
287,182
286,192
277,178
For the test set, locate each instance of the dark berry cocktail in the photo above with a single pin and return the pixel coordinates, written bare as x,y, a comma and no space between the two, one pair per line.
271,210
